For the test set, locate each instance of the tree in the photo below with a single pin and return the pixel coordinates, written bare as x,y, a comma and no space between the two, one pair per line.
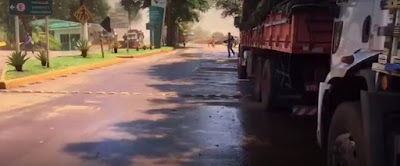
62,9
178,11
132,7
229,7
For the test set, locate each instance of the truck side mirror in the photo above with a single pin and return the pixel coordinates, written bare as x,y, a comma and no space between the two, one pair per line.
237,21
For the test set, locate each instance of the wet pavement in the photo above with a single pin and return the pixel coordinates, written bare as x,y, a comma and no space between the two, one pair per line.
182,108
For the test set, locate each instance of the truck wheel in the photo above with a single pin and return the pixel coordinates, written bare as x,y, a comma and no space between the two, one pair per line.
267,85
346,142
258,80
242,73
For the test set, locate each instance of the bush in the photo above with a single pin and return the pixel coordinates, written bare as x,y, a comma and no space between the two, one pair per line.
54,43
42,57
17,59
83,46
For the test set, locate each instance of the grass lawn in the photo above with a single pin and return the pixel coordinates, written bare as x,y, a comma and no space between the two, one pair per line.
133,52
33,66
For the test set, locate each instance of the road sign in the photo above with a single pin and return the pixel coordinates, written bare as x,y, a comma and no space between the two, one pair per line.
31,7
83,14
106,24
156,20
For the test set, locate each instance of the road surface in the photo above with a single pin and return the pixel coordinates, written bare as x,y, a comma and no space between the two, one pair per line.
172,109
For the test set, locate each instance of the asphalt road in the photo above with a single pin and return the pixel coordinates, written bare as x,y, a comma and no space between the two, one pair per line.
171,109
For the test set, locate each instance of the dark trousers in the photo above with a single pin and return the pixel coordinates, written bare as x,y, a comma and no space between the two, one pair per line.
230,49
28,47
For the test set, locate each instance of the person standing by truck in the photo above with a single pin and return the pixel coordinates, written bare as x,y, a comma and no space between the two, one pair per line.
230,42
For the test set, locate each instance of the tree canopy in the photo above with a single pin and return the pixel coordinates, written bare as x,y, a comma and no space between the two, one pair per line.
62,9
178,10
65,10
229,7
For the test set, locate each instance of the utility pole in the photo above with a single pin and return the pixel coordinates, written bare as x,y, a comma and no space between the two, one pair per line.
16,21
47,42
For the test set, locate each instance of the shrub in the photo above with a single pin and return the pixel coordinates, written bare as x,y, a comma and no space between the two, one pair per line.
17,59
42,57
54,43
83,46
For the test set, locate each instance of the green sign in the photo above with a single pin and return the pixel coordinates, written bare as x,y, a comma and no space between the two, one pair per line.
31,7
156,20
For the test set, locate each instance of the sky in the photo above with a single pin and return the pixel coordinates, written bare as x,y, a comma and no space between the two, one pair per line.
210,21
213,22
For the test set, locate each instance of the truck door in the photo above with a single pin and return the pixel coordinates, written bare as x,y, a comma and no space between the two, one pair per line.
352,28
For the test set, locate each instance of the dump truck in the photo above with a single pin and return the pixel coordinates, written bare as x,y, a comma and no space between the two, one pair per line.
335,59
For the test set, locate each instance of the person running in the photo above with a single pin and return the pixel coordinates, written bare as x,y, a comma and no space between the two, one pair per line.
212,42
230,41
28,43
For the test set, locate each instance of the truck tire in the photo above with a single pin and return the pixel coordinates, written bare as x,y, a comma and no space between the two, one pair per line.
346,141
267,85
258,79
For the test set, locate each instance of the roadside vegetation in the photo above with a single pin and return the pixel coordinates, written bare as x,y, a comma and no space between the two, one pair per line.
32,67
133,52
83,46
42,57
17,60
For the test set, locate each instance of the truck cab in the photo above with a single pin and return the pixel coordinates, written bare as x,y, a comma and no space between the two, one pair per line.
358,101
339,56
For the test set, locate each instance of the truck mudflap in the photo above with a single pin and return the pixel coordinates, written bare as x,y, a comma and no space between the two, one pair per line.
381,125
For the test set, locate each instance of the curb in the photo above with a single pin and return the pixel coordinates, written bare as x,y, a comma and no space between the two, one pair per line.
8,84
145,55
3,73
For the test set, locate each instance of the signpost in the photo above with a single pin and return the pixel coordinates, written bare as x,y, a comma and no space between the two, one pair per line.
157,17
83,15
31,7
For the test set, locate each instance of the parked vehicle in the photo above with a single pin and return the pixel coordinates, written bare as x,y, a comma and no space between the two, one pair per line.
327,58
135,38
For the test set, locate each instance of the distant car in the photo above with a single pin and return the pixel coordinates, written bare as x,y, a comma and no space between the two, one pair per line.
2,44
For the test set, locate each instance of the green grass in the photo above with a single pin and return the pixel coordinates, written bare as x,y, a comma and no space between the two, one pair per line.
133,52
33,66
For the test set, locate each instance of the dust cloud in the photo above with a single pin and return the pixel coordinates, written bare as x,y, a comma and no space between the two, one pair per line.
211,21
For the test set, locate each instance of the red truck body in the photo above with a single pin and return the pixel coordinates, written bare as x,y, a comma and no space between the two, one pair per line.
288,54
301,33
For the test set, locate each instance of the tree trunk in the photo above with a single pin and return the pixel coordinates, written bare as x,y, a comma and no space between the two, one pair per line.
171,26
171,35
